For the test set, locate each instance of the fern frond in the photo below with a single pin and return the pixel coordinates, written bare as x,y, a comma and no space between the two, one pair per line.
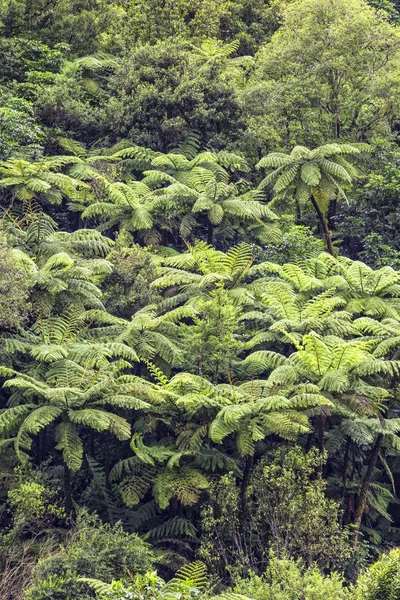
175,527
69,442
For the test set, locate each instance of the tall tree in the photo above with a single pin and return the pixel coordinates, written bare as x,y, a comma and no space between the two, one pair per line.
330,72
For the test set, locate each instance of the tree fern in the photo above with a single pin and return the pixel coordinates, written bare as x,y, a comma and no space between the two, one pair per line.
311,175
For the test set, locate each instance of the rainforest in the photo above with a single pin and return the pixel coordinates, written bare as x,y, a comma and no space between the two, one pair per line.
199,300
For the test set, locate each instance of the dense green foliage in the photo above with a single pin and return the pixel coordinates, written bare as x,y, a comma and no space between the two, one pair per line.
199,300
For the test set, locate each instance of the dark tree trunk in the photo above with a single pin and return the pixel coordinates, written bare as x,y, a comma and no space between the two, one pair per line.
344,475
41,441
362,498
338,125
321,438
210,234
298,212
107,459
321,432
345,465
78,221
324,225
243,491
310,441
67,490
36,449
349,505
91,446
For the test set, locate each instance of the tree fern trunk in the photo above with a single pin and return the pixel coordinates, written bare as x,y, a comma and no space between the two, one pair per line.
324,225
91,445
321,432
350,498
298,212
362,498
78,221
321,421
243,490
210,234
344,476
243,511
37,449
67,490
107,459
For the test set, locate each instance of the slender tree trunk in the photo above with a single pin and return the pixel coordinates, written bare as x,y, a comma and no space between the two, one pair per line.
350,500
41,441
44,442
362,498
345,465
67,490
243,506
243,488
321,432
210,234
321,437
78,221
243,497
92,443
344,476
107,459
37,453
324,225
338,125
310,441
298,212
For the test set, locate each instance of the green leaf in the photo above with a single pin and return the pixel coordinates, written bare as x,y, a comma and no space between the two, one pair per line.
69,442
310,174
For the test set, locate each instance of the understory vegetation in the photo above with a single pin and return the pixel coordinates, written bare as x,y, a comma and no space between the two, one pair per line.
199,300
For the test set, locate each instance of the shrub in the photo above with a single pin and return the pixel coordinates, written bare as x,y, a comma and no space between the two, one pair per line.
127,289
288,503
286,579
93,550
14,288
284,508
382,580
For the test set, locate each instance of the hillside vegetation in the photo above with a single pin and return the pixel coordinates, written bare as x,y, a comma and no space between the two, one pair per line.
199,300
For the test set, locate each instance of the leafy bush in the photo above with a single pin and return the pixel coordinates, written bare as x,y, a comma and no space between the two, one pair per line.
93,550
32,516
382,580
284,508
127,288
287,579
32,503
297,243
187,584
147,587
289,503
20,135
14,288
